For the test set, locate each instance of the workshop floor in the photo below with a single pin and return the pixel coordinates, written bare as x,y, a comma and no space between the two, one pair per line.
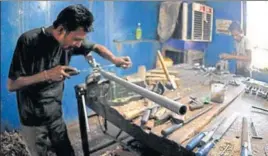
242,105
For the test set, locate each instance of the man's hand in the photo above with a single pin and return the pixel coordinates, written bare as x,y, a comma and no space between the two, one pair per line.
226,56
58,73
124,62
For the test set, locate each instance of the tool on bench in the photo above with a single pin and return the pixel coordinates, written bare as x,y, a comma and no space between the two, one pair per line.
266,149
266,110
158,113
204,150
234,83
204,137
255,133
136,112
164,67
159,88
145,116
154,110
248,89
245,141
173,128
72,72
194,104
254,90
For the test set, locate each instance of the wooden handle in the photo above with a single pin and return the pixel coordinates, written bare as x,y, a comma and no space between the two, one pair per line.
164,67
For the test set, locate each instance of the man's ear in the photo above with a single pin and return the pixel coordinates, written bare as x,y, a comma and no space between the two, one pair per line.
61,30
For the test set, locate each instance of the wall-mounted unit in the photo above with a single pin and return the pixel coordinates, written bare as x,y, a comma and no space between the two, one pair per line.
197,21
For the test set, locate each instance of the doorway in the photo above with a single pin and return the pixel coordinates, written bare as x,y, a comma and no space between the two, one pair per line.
257,32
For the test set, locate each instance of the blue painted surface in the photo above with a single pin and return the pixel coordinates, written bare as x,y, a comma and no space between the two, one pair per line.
260,76
187,45
113,21
222,43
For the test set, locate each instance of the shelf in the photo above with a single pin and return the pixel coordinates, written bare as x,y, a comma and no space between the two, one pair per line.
135,41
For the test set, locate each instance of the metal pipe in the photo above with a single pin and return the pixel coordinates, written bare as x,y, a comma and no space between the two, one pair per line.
266,110
163,101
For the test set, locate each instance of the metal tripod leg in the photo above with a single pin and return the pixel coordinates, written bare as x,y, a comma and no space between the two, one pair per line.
80,91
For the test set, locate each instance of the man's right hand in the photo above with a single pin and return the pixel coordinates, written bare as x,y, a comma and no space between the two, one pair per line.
58,73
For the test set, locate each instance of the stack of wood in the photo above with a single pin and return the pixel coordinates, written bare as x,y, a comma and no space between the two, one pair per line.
158,75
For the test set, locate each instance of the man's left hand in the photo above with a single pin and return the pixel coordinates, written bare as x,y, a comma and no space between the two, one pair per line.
124,62
226,56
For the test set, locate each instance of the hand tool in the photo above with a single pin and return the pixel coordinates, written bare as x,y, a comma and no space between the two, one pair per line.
254,90
154,110
266,149
194,142
194,104
255,133
193,107
266,110
136,112
217,136
164,67
203,137
159,88
145,116
163,118
245,144
248,89
234,83
72,72
173,128
211,131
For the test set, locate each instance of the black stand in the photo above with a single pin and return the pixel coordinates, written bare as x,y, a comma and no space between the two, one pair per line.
80,91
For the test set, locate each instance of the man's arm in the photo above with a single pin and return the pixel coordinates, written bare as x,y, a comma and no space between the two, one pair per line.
87,47
24,81
236,57
55,74
104,52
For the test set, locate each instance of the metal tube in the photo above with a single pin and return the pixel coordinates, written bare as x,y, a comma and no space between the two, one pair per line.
266,110
163,101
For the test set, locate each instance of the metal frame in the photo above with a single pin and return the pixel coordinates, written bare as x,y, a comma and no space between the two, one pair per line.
160,144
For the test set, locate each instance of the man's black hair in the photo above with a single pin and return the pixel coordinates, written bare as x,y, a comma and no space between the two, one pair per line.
75,16
235,25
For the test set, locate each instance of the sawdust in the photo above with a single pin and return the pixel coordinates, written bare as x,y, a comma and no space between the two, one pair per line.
230,147
12,144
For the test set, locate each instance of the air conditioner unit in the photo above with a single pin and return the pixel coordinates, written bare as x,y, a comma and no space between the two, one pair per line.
200,22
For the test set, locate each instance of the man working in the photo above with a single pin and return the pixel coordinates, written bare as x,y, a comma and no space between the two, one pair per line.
37,74
243,50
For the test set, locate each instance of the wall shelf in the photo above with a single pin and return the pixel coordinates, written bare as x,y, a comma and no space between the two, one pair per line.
136,41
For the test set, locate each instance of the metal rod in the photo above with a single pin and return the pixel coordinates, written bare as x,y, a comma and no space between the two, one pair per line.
266,110
163,101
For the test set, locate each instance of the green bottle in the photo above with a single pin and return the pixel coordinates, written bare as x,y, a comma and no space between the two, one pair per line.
138,32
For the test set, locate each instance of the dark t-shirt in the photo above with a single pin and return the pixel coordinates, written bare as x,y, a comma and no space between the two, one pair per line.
36,51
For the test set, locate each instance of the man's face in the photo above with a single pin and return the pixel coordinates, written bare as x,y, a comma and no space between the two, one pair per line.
237,35
73,38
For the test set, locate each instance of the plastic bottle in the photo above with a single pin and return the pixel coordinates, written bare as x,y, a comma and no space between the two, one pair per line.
138,32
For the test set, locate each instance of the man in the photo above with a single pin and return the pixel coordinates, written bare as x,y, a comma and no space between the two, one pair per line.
37,74
243,50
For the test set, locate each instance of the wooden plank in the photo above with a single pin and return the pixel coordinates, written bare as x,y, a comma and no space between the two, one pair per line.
159,71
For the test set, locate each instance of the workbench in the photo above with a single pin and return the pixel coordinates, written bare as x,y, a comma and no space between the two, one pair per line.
191,84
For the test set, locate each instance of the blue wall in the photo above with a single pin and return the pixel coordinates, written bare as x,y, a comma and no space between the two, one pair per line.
113,21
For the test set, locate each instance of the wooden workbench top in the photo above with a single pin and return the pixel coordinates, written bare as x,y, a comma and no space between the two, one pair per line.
191,84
